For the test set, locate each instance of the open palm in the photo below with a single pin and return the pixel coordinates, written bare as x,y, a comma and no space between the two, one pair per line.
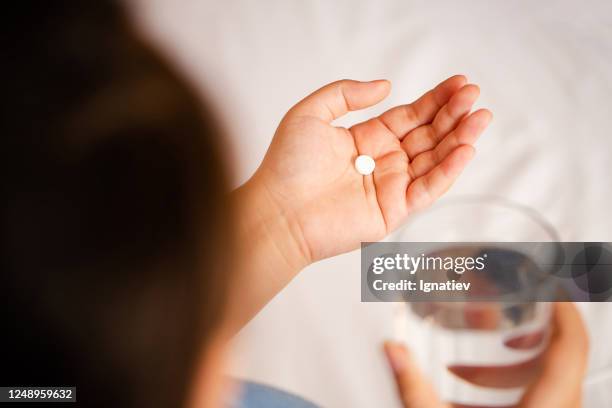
419,149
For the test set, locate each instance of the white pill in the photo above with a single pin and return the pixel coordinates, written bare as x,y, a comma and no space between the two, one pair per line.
365,164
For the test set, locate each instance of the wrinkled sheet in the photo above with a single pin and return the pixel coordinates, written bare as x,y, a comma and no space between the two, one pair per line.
545,70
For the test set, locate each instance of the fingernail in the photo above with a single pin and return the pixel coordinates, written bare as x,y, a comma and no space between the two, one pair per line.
385,81
396,358
473,154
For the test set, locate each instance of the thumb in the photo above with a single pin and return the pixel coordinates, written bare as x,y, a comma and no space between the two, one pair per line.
340,97
414,389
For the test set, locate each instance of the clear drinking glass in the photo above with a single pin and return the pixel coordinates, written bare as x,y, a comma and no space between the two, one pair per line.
481,353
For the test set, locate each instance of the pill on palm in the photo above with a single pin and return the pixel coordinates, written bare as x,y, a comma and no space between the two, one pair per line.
365,164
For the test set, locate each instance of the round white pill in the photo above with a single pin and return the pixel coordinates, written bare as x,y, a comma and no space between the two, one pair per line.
365,164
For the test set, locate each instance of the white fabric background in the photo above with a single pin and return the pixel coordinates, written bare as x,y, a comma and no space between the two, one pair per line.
545,70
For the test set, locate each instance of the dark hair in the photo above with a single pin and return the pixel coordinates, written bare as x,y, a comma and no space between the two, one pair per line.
113,219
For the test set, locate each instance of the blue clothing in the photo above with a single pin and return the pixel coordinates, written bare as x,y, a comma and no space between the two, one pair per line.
253,395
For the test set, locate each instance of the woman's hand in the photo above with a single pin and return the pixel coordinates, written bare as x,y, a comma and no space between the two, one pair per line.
308,174
558,385
307,202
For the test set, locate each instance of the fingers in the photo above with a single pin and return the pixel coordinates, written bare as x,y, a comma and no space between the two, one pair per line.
510,375
502,376
466,133
340,97
414,389
564,365
402,119
427,137
457,107
428,187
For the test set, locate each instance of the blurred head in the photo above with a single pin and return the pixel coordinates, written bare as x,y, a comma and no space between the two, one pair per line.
114,221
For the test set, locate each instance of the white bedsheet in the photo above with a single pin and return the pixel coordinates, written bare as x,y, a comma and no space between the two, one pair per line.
545,70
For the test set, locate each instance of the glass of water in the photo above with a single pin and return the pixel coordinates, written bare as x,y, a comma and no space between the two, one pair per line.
483,353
